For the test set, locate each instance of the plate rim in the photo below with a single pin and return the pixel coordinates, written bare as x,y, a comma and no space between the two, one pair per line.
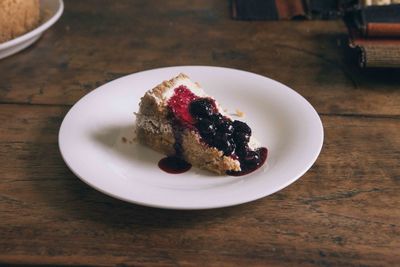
290,181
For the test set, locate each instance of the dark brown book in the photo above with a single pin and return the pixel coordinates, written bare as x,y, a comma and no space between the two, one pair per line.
376,52
267,9
378,21
289,9
380,29
374,34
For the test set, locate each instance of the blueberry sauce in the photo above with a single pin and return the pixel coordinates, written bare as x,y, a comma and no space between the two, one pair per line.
174,165
181,117
201,114
248,168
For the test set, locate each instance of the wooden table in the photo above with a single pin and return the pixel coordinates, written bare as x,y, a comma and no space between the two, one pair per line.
345,211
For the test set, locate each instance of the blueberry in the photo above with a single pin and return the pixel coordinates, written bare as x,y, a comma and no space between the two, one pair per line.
221,138
242,127
205,126
242,150
241,138
208,138
226,126
216,119
202,107
229,147
226,145
223,142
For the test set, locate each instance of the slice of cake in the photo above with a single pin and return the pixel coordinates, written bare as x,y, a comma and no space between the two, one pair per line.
177,118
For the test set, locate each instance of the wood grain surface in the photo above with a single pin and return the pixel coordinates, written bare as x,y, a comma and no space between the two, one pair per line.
344,211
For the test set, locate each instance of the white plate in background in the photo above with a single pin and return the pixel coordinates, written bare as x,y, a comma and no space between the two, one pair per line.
91,134
50,12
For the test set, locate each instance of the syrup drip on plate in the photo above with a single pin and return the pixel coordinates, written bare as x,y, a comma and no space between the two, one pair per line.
249,168
174,165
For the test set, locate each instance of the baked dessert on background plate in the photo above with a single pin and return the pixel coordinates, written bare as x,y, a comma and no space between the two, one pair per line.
22,22
17,17
96,137
179,119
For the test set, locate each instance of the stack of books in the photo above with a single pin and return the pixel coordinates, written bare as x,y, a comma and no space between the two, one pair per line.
287,9
374,25
374,29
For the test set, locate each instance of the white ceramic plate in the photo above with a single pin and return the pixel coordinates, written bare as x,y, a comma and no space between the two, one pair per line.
50,12
91,134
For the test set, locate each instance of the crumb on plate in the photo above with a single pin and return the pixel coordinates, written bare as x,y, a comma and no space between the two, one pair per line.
239,113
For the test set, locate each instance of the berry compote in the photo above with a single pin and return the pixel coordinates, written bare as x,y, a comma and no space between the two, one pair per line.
216,130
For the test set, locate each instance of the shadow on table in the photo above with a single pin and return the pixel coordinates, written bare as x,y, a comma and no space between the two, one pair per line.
333,55
67,198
